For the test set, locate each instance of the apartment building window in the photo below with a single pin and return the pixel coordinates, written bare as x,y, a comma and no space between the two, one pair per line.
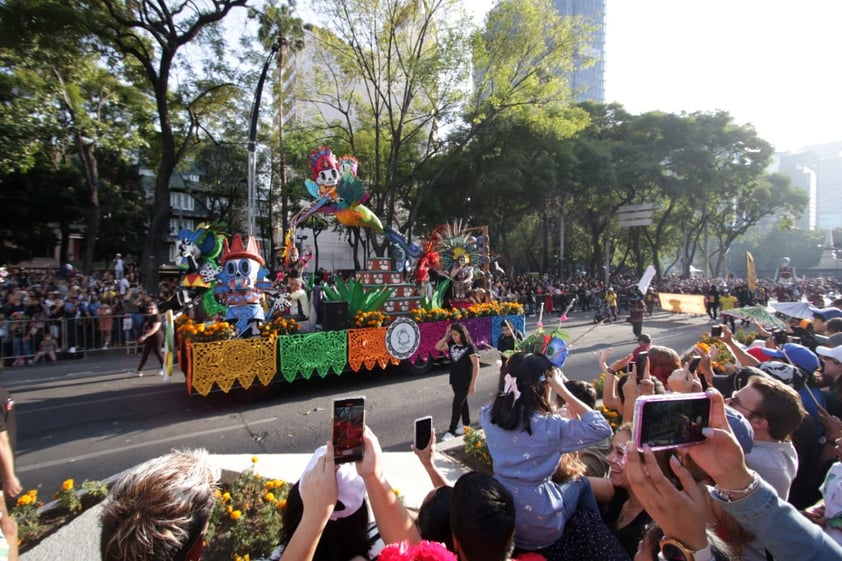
181,201
178,224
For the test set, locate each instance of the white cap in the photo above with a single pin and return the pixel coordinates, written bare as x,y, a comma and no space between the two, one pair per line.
351,486
832,352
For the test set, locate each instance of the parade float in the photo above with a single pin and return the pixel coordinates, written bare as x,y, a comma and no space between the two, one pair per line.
393,317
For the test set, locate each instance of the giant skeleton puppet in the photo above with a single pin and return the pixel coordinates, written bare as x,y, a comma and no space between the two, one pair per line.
198,253
242,282
338,191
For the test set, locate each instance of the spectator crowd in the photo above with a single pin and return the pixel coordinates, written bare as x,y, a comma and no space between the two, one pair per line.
763,483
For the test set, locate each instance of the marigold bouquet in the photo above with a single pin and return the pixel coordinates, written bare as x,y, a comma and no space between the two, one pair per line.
420,315
370,319
205,332
25,513
279,326
246,520
724,357
612,416
477,446
511,309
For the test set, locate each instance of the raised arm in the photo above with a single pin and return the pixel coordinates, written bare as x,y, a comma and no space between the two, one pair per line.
442,344
426,457
740,354
319,494
755,505
393,520
609,389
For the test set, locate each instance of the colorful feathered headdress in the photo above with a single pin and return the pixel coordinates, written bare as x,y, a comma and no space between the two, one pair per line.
552,345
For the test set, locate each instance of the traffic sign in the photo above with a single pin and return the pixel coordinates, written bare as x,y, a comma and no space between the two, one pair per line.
640,222
635,215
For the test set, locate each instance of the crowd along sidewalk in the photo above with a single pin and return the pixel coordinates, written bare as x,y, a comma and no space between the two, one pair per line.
79,540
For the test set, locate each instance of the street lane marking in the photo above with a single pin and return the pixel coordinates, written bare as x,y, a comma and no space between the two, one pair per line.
110,451
22,409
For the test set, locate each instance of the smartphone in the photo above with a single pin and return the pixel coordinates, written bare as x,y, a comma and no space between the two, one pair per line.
348,427
640,361
423,432
694,363
716,331
670,420
780,336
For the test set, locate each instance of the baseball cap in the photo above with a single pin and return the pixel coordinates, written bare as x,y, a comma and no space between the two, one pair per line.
796,354
786,373
827,313
348,482
741,427
830,352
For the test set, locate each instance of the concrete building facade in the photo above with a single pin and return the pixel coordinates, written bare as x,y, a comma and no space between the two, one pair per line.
588,80
818,171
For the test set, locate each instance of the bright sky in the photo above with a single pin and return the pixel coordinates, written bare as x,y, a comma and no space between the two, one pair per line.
771,63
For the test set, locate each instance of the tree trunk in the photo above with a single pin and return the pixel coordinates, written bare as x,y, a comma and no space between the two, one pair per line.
92,219
64,228
545,250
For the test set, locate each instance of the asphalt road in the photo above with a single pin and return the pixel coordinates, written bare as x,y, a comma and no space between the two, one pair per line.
89,419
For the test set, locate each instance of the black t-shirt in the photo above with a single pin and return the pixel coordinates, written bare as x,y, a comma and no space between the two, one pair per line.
506,343
7,417
461,367
630,534
148,321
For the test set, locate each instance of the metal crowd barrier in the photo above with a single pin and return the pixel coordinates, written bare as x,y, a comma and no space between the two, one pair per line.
20,340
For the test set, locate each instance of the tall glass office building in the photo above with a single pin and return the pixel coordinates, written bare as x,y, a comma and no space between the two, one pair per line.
588,80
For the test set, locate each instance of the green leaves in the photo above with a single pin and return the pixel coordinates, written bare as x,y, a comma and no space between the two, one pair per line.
437,300
358,297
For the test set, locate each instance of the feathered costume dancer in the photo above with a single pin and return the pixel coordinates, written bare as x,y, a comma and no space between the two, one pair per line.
458,253
337,191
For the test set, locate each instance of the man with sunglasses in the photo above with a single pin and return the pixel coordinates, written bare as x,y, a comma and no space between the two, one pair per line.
775,412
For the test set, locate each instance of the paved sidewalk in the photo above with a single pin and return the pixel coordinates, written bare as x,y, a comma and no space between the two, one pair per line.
79,540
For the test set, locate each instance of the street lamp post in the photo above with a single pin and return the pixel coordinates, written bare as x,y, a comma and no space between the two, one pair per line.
255,113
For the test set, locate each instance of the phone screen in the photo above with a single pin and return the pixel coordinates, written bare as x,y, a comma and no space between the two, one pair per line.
423,432
641,359
716,331
348,427
665,422
694,363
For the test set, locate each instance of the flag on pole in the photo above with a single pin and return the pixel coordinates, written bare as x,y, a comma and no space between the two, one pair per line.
646,279
751,273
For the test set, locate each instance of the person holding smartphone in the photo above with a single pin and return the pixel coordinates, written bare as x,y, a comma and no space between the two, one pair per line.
464,371
526,440
740,492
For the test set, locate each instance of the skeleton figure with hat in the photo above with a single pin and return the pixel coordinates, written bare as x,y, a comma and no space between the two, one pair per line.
242,282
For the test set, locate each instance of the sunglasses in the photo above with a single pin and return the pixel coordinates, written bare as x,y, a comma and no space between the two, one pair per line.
734,401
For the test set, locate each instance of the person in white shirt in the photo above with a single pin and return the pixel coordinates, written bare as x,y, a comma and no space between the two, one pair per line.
119,266
123,286
775,411
298,297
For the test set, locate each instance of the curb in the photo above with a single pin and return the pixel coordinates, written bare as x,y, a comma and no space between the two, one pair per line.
79,539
